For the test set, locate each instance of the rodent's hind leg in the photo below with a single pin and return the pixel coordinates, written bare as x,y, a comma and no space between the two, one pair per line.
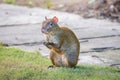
72,60
56,59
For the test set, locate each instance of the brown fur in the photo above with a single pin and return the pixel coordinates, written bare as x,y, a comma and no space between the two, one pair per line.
63,44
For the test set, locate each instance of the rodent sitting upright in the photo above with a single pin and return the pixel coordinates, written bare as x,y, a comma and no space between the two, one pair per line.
62,42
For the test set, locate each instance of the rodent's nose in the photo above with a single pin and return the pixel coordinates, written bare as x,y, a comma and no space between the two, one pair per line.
44,31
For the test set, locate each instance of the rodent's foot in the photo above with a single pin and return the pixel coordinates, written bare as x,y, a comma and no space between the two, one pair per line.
51,67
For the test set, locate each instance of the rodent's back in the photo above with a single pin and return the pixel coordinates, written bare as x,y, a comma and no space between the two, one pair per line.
70,40
69,35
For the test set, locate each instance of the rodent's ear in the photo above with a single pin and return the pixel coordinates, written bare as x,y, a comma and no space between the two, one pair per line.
46,18
55,19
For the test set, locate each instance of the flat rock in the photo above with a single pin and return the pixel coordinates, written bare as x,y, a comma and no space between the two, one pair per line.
99,39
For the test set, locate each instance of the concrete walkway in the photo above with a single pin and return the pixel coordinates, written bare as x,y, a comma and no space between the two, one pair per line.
100,39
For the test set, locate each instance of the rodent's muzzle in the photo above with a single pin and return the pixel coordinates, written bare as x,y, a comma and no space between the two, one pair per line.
44,31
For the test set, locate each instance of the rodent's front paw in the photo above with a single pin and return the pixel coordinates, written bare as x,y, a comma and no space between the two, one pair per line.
45,43
48,43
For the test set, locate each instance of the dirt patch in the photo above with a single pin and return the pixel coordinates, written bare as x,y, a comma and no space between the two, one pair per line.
101,9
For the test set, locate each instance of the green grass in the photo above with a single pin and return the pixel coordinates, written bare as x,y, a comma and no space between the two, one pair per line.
16,64
49,4
9,1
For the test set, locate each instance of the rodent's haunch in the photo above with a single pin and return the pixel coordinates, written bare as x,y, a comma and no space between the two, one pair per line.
62,42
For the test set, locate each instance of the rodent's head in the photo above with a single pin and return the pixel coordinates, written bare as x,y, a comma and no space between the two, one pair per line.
49,25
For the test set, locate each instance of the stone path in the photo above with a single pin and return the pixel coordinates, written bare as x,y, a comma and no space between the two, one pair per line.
100,39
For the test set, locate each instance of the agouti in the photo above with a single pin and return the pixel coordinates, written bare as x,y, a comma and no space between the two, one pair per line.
62,42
